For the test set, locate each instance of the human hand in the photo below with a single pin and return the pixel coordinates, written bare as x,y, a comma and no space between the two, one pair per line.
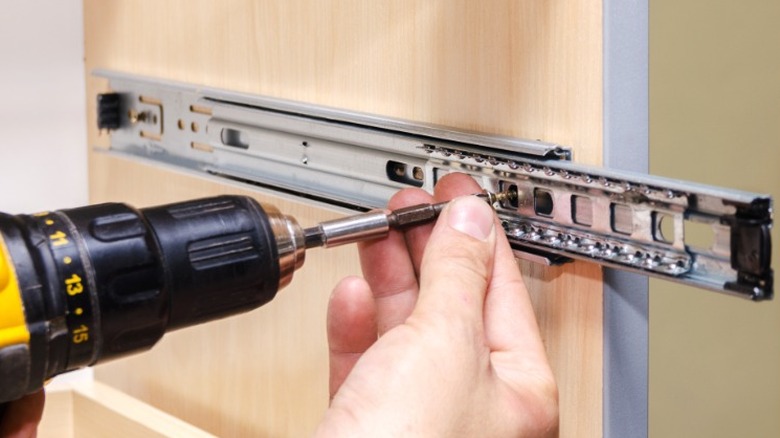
21,417
440,338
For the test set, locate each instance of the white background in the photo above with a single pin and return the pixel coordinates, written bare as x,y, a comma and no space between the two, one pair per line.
43,161
43,139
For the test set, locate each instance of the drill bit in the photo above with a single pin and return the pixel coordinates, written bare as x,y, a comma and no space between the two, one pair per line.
422,213
377,224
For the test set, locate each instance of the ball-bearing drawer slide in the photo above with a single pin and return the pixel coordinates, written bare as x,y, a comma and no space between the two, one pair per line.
705,236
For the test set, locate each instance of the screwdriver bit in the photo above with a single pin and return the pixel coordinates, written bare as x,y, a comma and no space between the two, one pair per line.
377,224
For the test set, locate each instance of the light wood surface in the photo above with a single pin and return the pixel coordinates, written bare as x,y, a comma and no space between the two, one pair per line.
93,409
523,68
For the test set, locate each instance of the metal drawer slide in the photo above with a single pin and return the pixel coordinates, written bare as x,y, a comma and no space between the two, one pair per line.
705,236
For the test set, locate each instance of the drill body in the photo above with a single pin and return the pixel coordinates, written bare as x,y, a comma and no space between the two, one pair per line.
86,285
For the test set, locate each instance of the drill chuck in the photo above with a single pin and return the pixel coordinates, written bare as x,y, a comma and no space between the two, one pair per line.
81,286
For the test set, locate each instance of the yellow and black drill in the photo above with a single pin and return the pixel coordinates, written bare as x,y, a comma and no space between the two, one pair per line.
81,286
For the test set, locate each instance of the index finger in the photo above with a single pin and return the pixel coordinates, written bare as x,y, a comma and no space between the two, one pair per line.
388,268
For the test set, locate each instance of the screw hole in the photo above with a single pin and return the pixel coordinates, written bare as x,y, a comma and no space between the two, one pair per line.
663,230
401,173
543,202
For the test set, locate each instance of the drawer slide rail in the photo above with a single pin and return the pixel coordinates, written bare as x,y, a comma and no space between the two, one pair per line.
705,236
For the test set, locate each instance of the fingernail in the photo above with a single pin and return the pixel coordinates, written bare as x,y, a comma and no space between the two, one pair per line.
472,216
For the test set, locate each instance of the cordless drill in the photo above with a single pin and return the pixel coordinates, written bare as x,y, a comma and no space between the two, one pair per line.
82,286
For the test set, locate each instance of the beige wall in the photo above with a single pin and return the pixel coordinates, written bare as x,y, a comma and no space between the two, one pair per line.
715,118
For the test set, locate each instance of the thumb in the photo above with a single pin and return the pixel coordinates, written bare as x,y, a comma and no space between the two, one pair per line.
458,260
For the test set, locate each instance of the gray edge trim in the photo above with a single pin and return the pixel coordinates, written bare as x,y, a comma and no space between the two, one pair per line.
626,70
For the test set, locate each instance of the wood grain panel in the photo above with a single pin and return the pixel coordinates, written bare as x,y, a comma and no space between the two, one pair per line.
523,68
